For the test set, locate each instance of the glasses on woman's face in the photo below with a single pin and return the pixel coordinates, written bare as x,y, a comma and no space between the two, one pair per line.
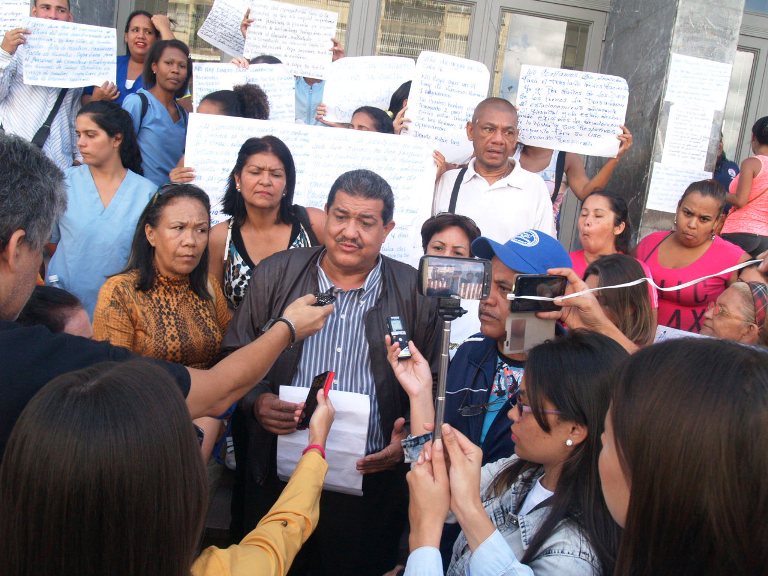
523,408
719,311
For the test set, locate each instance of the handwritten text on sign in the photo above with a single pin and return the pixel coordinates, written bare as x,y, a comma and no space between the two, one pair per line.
222,26
571,111
443,96
363,81
668,184
300,37
274,79
13,14
321,155
66,55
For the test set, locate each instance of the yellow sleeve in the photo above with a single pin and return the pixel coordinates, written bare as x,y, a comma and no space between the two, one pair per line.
112,318
271,547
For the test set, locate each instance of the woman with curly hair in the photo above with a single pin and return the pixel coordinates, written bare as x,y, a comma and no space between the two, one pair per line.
105,197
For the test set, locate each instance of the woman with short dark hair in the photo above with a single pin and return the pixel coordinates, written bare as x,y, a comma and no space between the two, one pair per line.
692,250
263,218
160,122
685,458
102,475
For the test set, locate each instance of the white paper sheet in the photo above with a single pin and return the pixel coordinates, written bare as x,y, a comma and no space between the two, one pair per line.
572,111
698,82
300,37
274,79
222,26
321,155
445,91
668,184
67,55
686,140
13,14
667,333
363,81
345,444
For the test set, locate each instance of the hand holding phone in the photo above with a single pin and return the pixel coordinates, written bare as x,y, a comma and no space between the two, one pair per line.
324,381
542,285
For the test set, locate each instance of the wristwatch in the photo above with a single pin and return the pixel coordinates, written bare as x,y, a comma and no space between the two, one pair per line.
287,322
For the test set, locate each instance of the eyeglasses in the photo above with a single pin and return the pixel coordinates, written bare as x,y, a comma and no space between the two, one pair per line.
718,310
497,403
523,408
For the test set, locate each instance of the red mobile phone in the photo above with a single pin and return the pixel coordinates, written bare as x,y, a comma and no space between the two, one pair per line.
324,381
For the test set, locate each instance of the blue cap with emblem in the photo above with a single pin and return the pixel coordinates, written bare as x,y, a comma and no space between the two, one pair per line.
530,252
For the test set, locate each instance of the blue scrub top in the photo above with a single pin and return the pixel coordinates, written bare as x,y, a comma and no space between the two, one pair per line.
93,241
161,140
122,76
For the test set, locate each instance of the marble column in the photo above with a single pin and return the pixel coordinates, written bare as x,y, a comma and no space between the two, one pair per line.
640,38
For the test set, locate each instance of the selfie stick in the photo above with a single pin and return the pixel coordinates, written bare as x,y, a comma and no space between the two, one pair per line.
448,309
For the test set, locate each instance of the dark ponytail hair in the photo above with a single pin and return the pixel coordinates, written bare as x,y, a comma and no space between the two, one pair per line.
111,118
243,101
381,119
760,130
708,189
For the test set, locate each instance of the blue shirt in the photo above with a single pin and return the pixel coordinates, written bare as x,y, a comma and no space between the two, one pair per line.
93,241
308,98
122,77
161,140
341,346
493,557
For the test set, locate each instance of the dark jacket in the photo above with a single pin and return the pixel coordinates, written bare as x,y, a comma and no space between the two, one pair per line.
474,367
282,278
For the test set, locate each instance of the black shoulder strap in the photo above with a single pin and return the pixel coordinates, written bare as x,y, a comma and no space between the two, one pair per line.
45,130
559,172
455,191
303,217
144,108
655,247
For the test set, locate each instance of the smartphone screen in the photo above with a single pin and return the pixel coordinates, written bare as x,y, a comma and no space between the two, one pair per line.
321,381
537,285
449,277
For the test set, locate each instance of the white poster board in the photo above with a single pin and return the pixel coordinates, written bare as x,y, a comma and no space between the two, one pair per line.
321,155
222,26
571,111
668,184
300,37
66,55
363,81
343,448
698,82
445,91
274,79
13,14
686,139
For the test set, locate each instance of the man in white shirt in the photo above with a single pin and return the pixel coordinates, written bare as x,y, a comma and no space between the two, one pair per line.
23,108
494,190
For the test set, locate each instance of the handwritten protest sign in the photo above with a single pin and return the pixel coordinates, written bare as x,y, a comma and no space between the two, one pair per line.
222,26
697,81
686,139
668,184
443,96
66,55
363,81
13,14
321,155
300,37
572,111
274,79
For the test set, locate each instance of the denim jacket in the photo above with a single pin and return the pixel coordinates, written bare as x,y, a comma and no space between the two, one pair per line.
566,551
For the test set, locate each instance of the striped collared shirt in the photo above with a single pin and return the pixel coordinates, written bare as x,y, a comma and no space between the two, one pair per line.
341,346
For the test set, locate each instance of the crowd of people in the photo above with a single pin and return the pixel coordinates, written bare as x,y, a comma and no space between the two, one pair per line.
135,338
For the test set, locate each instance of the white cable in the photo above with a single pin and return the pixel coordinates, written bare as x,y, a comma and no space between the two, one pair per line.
635,282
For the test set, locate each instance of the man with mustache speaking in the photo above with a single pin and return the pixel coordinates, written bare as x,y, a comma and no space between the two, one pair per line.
356,534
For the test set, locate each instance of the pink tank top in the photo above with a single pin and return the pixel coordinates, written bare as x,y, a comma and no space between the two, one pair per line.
751,218
684,309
